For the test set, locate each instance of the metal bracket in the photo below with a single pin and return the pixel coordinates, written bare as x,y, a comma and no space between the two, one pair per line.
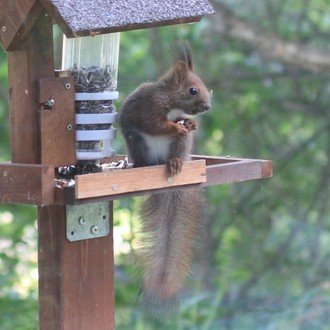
87,221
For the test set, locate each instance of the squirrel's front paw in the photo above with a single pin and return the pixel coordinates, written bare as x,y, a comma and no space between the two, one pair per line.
190,124
181,129
174,166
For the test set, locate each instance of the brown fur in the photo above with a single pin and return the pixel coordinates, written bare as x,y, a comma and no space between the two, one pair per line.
171,224
170,220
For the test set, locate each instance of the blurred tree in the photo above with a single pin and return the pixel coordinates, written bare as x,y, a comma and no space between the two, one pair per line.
265,263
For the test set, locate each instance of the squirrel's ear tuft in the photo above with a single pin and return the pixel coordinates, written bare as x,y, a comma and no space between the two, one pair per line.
181,51
180,71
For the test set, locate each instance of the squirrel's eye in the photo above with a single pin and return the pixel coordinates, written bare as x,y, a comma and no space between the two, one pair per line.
193,90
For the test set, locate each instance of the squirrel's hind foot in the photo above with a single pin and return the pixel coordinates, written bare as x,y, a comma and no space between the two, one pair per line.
174,166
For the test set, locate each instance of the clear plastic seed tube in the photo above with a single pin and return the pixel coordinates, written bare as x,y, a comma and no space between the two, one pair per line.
93,63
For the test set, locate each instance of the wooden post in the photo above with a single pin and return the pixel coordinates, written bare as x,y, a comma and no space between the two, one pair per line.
34,60
76,289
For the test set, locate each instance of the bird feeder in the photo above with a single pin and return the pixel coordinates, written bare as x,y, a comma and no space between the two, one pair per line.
60,118
93,63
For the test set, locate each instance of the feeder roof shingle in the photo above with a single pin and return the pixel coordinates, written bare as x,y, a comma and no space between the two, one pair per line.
86,17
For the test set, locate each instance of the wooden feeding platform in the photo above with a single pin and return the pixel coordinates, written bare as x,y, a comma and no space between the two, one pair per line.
35,184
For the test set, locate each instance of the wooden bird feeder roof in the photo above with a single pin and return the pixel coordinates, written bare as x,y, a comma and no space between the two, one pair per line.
86,17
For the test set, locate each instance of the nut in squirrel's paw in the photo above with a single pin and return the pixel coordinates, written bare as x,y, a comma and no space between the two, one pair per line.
181,129
188,123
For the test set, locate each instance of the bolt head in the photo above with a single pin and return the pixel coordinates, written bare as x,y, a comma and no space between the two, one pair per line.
50,103
94,230
69,127
82,220
4,29
68,85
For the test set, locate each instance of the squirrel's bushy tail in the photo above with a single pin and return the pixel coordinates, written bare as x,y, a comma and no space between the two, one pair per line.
171,225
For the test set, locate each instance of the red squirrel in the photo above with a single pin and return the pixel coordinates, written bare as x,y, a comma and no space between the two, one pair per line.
155,121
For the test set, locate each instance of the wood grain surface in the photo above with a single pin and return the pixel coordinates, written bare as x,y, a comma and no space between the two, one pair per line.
148,180
17,17
57,124
26,184
137,179
76,279
33,61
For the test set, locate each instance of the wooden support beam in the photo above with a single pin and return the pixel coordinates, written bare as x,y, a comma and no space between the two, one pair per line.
16,20
224,170
57,123
76,279
32,61
27,184
151,180
137,179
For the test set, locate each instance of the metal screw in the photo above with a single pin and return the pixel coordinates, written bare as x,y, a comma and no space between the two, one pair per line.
94,229
5,173
68,85
82,220
114,187
69,127
50,103
4,29
169,180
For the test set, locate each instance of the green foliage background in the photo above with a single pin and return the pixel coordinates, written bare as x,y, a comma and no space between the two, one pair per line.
265,261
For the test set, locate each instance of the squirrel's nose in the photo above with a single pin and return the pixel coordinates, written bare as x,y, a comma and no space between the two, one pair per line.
206,107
